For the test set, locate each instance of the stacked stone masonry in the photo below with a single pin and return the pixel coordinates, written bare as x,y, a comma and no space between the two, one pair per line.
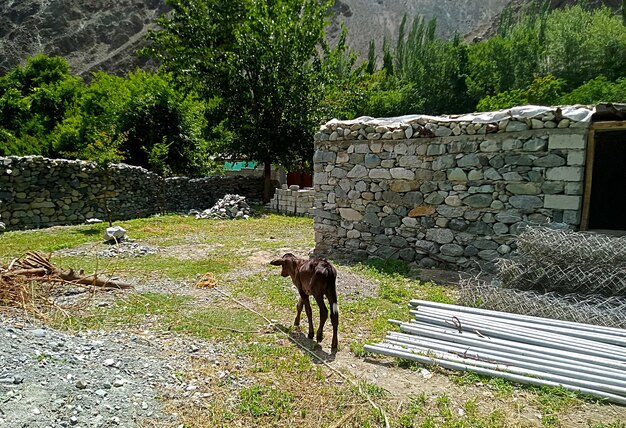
444,191
39,192
293,200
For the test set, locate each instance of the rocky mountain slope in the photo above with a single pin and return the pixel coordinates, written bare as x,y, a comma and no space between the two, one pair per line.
91,34
103,35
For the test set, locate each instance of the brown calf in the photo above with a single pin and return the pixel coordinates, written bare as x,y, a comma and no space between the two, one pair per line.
315,278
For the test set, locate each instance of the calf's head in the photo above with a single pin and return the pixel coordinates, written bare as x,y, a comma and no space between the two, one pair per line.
288,262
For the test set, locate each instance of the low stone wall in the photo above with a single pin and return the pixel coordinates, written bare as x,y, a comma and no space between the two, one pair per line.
40,192
293,200
449,191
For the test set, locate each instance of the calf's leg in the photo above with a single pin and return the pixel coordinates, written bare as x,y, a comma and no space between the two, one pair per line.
298,311
323,317
334,316
309,313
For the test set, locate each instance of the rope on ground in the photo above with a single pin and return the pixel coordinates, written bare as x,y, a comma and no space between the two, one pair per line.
314,355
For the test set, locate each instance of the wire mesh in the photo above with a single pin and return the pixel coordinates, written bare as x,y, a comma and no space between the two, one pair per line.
560,274
556,259
589,309
569,248
607,280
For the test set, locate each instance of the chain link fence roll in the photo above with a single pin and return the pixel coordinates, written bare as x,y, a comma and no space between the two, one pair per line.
565,248
560,274
607,280
589,309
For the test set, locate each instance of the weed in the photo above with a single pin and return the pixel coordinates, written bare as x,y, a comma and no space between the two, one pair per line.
373,390
260,400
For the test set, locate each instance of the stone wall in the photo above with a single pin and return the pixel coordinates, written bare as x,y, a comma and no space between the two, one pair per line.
452,190
184,193
39,192
293,200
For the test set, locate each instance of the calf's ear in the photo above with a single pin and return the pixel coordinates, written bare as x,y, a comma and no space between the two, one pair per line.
277,262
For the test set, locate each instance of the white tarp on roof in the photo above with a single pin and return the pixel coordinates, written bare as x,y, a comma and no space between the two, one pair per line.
574,113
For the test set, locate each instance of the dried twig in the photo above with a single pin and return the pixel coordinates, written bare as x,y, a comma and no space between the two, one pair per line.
34,284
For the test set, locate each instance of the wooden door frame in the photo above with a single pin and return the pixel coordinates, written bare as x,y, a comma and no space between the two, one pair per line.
590,153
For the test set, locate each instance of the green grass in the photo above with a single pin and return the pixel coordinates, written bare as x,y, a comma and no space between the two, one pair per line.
442,413
16,244
502,387
270,231
271,288
262,400
269,358
396,287
129,311
552,401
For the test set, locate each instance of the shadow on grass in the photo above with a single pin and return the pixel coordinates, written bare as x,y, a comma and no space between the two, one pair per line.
446,277
309,344
90,232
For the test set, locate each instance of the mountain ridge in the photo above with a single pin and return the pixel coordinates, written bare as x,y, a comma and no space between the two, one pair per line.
103,35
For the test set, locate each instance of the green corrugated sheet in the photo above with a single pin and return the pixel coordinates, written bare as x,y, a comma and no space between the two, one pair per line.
238,166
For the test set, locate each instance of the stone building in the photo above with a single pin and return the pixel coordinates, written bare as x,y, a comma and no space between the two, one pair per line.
456,190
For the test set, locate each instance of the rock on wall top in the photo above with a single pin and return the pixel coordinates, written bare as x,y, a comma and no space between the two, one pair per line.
422,126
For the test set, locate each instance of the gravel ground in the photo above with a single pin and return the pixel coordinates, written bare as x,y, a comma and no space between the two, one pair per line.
124,249
93,379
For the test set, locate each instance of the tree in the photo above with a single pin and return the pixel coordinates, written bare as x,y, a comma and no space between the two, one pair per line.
261,60
34,98
160,128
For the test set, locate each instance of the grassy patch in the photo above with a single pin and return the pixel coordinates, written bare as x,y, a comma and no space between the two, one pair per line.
261,400
131,310
17,243
552,401
150,266
396,288
216,322
502,387
442,413
269,358
273,289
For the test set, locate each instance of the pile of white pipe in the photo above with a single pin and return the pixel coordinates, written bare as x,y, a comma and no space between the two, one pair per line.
538,351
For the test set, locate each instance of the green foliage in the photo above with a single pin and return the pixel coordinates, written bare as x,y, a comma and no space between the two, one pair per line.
141,119
545,90
597,90
572,44
33,100
106,149
582,44
434,67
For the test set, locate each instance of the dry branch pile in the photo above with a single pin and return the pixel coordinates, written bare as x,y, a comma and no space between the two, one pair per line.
34,284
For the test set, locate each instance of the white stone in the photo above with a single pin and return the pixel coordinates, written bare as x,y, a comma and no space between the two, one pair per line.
576,158
350,214
115,233
562,202
402,174
565,173
358,171
567,141
379,174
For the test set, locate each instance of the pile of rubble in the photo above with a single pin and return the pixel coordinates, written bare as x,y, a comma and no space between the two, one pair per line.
228,208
